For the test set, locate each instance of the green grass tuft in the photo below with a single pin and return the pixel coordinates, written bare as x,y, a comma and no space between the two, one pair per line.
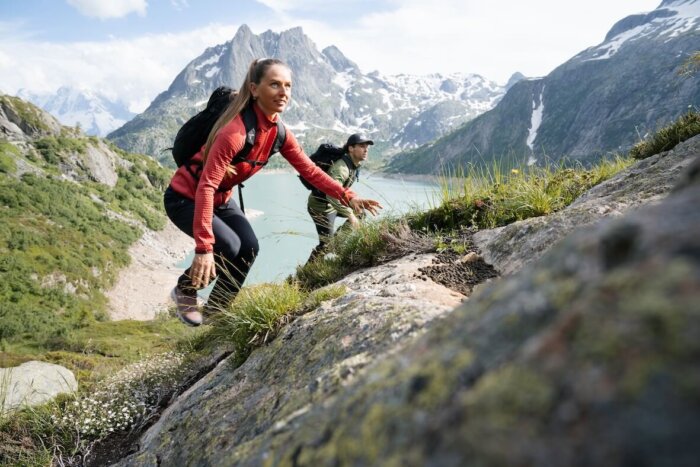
687,126
488,199
370,244
256,316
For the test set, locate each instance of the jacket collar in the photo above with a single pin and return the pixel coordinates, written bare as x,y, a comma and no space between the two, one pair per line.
264,121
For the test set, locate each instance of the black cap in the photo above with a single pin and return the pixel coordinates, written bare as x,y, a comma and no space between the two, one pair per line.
357,138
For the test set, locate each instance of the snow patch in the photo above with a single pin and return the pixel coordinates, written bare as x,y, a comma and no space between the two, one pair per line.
685,19
614,44
301,126
535,119
212,71
210,61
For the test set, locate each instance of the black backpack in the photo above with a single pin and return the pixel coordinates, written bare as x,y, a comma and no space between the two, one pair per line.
324,157
194,133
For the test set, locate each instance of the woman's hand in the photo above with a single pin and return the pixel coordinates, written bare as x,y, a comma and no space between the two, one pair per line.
203,270
360,204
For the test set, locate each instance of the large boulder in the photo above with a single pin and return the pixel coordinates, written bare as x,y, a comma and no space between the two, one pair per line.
315,359
587,356
34,383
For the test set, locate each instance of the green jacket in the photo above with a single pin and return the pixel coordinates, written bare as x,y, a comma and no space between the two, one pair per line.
340,172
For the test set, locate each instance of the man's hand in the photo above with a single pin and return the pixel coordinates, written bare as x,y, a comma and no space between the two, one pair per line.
354,222
360,204
203,270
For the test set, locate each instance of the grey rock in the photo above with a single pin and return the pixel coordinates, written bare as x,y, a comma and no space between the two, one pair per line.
100,162
585,353
314,359
34,383
20,122
586,356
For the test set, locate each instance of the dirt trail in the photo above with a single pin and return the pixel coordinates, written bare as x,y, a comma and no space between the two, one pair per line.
143,288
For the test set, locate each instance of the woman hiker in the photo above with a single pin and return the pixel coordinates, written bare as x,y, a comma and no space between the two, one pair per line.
199,202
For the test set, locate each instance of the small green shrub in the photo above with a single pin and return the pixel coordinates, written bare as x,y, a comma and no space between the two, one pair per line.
685,127
55,149
65,429
691,66
256,316
494,199
8,154
370,244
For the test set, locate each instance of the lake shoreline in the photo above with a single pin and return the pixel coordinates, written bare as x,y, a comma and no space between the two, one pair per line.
420,178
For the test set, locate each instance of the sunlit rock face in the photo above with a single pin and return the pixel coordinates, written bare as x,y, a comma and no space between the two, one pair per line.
586,354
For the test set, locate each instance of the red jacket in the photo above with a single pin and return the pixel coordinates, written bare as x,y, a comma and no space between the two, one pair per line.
215,184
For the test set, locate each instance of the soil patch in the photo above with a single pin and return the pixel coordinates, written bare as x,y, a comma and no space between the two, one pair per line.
459,271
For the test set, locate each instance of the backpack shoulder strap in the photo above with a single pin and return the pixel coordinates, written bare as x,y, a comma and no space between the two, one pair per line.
281,137
250,121
354,170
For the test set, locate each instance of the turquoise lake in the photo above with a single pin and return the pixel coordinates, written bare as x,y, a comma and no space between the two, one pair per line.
285,231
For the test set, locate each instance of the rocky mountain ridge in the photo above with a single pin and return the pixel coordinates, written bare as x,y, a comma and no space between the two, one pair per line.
592,105
332,97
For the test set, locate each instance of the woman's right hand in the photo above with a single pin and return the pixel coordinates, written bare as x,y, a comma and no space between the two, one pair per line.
203,270
360,204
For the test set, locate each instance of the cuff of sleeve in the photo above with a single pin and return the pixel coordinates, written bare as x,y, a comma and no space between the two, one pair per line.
200,250
348,195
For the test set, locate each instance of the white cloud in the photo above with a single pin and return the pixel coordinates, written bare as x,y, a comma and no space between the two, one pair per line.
289,5
180,4
104,9
494,39
133,71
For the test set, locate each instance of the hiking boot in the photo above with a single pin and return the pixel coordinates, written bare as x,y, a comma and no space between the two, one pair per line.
186,307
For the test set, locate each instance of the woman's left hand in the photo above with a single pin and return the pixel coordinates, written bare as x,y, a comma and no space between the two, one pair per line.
360,204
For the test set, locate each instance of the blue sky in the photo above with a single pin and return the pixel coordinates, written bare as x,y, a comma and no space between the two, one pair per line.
132,49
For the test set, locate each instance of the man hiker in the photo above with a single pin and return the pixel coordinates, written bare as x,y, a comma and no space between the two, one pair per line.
324,209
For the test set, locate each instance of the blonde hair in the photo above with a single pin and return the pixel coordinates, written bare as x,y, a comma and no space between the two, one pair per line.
256,71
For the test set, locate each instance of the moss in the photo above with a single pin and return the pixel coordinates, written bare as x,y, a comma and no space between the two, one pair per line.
504,397
8,153
434,383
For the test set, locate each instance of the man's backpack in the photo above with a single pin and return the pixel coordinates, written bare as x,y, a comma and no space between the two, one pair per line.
194,133
324,157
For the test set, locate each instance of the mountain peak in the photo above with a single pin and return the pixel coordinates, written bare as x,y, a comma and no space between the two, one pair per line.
243,34
332,97
338,60
514,78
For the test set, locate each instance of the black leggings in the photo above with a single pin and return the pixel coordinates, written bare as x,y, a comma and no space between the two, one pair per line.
235,247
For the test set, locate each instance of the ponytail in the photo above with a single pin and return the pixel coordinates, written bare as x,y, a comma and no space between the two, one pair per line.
256,71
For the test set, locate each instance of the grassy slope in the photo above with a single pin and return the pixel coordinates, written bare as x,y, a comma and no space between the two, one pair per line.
62,243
